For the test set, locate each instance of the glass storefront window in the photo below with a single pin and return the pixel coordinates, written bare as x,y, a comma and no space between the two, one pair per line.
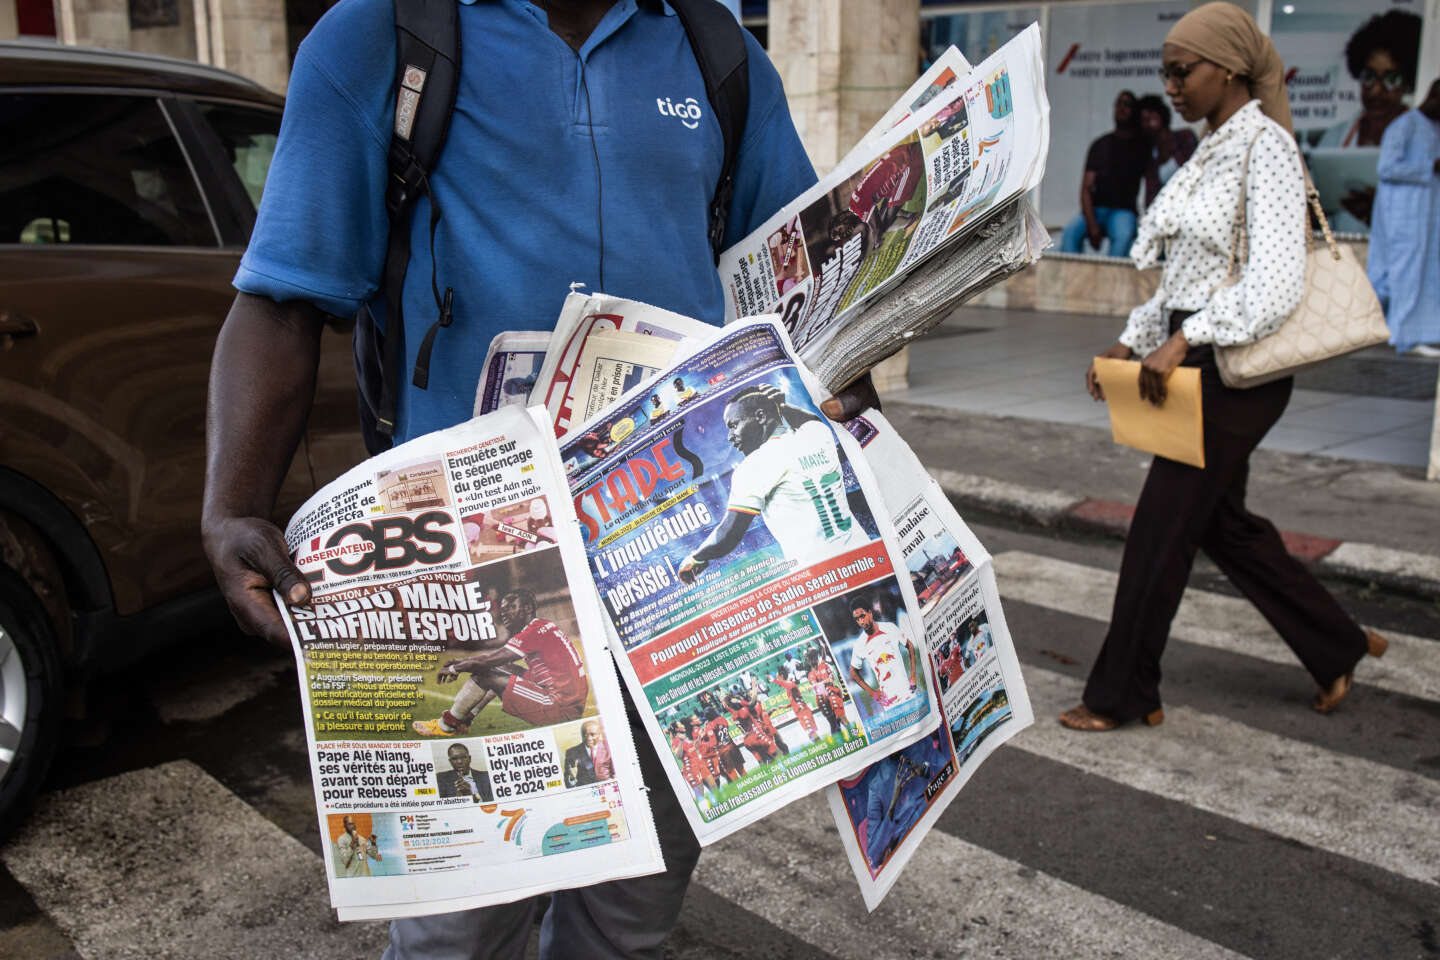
1329,48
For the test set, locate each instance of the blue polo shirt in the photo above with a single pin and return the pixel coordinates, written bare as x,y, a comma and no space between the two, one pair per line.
558,167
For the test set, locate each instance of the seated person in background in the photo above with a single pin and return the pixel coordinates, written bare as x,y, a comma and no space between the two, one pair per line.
1168,148
1114,166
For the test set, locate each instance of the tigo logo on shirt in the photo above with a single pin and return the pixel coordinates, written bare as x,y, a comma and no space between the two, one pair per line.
688,111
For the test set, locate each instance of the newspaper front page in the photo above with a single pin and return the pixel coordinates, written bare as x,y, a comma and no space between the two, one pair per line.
760,614
450,589
884,813
512,365
978,144
583,316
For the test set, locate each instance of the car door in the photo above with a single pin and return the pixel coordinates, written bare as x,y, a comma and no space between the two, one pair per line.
241,140
114,280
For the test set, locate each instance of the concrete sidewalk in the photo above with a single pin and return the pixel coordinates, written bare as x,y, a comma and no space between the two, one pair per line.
1361,519
1371,405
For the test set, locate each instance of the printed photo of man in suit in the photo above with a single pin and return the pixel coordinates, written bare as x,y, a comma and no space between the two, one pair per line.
460,780
589,760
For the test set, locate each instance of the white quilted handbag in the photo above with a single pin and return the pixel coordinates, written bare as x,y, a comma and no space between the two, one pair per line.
1338,313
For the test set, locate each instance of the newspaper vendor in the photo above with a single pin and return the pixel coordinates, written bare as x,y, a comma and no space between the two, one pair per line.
510,253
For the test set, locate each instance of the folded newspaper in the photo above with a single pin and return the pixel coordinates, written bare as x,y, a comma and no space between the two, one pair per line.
923,186
468,741
884,813
741,707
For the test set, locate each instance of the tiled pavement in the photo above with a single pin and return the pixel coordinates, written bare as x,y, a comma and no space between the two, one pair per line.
1027,364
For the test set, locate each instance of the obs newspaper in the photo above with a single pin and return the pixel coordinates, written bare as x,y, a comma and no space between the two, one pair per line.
467,737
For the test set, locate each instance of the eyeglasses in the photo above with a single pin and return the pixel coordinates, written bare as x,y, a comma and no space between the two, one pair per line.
1391,80
1179,71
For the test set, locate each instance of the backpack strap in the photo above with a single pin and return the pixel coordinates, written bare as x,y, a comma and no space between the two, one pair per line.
427,70
718,41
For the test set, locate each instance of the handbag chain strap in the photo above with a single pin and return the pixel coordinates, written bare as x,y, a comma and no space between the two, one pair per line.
1241,234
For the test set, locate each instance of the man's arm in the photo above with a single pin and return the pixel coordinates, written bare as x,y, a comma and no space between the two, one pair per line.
481,661
262,384
725,537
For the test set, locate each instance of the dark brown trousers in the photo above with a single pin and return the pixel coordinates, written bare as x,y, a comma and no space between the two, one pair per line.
1184,508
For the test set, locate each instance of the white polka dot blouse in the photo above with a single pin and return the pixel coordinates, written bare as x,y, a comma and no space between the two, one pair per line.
1190,228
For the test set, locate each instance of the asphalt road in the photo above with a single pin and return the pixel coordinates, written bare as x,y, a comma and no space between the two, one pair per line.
180,822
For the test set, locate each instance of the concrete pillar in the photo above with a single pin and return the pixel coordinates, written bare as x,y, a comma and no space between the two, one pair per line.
93,23
843,64
248,37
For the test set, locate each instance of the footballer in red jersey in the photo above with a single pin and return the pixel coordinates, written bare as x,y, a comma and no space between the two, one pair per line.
732,761
827,695
953,666
891,182
704,745
550,689
798,704
692,768
757,740
757,706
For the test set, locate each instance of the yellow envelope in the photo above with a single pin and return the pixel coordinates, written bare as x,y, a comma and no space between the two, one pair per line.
1174,431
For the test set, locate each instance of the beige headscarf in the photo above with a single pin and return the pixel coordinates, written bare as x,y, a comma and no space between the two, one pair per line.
1225,34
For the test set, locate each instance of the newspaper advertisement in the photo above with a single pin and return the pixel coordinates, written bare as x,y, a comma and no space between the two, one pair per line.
468,740
612,364
582,316
884,813
977,145
759,612
512,365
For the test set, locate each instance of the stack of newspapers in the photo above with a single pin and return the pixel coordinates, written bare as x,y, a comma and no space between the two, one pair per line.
642,499
927,211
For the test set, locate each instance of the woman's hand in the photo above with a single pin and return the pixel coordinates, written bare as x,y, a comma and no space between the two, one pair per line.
1117,352
1157,367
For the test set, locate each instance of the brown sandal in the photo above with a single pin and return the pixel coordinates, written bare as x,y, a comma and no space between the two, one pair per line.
1329,697
1086,720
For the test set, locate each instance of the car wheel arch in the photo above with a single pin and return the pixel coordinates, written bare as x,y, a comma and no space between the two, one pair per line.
39,538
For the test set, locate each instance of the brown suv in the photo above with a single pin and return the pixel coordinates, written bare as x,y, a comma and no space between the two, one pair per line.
128,188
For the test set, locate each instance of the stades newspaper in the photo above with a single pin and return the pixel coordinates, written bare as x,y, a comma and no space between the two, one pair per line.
761,616
884,813
467,737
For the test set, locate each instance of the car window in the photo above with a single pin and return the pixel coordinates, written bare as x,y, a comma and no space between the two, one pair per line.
95,169
248,137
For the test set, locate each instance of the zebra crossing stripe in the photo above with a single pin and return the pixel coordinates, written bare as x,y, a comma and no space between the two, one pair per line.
167,862
953,900
1212,620
1342,804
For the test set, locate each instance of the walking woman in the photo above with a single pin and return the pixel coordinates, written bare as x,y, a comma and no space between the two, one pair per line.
1219,67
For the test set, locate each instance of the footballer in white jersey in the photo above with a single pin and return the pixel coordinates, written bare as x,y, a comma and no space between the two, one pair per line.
791,476
891,657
